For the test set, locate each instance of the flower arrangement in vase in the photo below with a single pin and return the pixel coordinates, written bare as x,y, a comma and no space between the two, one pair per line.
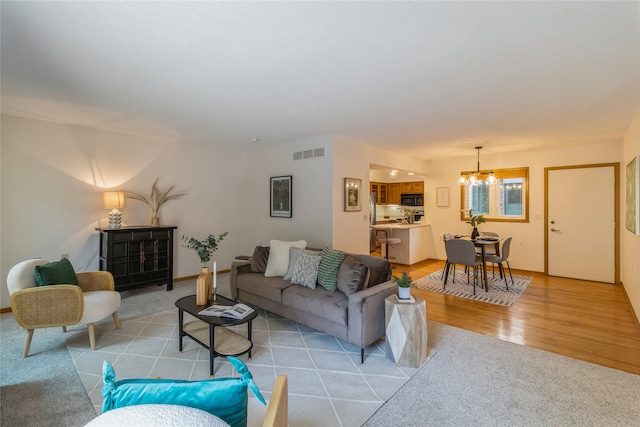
205,249
156,199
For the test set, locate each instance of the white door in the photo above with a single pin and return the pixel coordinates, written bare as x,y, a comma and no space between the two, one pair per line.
581,223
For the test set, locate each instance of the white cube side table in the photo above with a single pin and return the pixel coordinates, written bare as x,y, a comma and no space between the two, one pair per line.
406,331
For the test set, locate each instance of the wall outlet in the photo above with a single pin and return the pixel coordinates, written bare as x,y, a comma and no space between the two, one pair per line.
64,256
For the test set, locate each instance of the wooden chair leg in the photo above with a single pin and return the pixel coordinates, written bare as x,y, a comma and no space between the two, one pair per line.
28,343
116,320
64,329
92,336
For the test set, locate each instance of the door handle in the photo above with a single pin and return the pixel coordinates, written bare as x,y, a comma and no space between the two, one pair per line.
554,230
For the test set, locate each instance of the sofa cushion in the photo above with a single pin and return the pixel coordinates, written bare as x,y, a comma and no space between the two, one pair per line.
328,269
352,276
294,253
305,272
259,259
379,268
278,262
319,302
269,288
56,273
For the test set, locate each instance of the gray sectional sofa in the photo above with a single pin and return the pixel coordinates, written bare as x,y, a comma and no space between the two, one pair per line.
355,316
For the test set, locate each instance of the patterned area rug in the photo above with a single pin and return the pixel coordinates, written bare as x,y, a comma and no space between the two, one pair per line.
497,294
328,386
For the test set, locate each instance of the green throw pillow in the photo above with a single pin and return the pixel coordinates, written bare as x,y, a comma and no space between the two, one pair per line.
56,273
328,269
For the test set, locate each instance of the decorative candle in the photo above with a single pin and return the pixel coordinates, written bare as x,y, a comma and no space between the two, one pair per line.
214,276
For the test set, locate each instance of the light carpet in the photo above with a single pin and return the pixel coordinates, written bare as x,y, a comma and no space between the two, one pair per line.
497,294
328,386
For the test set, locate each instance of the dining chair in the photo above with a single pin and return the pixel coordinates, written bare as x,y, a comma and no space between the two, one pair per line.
463,252
503,257
445,237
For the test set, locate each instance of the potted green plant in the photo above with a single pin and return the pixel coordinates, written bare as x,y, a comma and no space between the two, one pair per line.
404,283
205,249
474,221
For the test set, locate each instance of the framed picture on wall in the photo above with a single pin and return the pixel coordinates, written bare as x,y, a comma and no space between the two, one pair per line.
281,200
442,196
632,208
352,195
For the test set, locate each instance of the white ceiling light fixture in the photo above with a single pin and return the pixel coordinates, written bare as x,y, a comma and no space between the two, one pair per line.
477,177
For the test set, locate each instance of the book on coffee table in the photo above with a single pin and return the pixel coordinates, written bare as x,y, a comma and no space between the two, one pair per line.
238,311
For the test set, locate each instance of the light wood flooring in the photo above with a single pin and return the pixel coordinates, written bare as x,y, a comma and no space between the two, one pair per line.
584,320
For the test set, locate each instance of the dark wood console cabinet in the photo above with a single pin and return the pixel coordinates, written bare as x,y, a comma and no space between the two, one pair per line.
138,256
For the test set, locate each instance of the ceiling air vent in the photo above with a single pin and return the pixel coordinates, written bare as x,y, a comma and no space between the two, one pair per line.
308,154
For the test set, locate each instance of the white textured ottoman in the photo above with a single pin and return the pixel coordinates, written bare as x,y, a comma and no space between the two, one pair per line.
157,415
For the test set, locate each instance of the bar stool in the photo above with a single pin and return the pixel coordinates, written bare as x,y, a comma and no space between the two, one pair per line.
384,238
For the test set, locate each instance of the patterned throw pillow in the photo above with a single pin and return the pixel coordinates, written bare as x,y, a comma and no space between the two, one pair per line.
294,254
306,270
328,269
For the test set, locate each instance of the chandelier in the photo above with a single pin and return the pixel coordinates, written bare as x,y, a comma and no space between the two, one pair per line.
477,177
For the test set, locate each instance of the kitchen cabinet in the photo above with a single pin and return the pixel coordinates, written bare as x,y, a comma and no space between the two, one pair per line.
380,190
138,256
412,187
393,193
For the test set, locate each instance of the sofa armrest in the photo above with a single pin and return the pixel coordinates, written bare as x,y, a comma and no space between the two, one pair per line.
366,313
237,268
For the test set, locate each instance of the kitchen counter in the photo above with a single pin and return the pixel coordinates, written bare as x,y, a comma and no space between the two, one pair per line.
413,242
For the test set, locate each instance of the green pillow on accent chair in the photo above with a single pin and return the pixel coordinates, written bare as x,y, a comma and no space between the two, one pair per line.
56,273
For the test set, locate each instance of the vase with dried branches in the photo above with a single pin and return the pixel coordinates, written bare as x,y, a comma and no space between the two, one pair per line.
156,199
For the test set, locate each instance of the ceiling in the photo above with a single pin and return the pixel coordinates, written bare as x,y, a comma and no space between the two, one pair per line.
427,79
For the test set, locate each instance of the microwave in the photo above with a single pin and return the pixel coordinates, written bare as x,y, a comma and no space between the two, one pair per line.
412,199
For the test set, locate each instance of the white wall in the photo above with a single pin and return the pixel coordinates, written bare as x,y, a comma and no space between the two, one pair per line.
53,177
527,248
312,194
630,243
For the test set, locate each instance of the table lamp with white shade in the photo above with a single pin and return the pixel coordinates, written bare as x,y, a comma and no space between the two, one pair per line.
114,200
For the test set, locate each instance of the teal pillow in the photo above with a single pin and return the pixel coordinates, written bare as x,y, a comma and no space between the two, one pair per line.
328,269
225,398
56,273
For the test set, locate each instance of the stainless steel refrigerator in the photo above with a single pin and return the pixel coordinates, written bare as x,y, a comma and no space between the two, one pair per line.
372,221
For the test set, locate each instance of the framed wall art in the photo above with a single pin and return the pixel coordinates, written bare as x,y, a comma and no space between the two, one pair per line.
281,200
352,195
442,196
632,208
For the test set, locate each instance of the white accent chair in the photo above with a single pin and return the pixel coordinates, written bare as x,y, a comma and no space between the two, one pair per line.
36,306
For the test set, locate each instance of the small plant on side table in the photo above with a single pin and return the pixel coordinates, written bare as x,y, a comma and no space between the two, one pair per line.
404,282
